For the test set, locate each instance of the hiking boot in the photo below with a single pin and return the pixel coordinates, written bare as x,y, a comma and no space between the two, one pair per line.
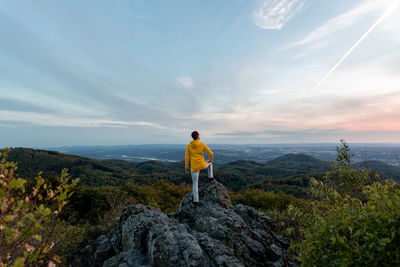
211,180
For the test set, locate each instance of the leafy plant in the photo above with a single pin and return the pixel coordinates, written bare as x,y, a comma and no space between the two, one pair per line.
28,219
354,219
344,154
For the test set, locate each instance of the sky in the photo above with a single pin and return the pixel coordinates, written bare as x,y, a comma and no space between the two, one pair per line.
125,72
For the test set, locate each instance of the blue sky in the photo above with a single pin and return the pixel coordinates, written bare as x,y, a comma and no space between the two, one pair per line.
134,72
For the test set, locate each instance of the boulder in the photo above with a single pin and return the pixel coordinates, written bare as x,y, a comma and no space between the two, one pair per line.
214,234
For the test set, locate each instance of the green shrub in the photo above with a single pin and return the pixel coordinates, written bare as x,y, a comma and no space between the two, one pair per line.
264,201
67,236
28,220
161,195
354,219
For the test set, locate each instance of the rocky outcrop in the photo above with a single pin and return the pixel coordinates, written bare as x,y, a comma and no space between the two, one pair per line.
214,234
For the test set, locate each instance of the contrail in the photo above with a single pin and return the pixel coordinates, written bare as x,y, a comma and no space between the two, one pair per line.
355,45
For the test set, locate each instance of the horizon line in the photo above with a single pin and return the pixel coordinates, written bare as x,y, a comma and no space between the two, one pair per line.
231,144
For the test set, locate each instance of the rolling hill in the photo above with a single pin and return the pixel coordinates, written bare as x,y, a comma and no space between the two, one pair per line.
288,173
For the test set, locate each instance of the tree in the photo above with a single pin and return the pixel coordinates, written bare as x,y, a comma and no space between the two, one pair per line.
344,154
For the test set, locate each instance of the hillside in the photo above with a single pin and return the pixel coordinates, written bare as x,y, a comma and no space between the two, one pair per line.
93,171
276,175
288,173
385,170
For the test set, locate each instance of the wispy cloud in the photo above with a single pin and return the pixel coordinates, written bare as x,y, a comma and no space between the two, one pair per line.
341,22
186,82
237,133
274,14
31,118
122,78
311,135
390,8
7,103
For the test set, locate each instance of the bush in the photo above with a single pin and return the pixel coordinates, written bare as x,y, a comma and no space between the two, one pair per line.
67,236
28,220
354,219
264,201
161,195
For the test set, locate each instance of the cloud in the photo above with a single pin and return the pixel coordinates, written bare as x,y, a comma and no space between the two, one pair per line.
14,124
21,105
102,73
391,8
281,133
57,76
36,119
237,133
186,82
309,135
278,116
274,14
341,22
29,135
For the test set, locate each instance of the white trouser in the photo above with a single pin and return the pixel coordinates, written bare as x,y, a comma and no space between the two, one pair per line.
195,179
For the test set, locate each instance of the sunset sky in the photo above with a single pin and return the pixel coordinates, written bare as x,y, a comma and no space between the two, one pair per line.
240,71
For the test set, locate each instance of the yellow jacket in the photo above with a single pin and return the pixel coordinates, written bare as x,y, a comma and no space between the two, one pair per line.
194,153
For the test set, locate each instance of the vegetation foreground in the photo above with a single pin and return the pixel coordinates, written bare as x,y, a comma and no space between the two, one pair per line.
348,217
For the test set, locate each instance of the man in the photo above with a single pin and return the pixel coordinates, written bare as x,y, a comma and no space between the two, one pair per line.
194,154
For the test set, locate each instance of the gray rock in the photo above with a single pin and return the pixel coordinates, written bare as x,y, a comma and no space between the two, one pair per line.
131,257
173,245
214,234
260,225
92,253
116,239
104,250
216,253
136,227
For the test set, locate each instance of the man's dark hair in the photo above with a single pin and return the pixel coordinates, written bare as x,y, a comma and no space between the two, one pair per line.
195,134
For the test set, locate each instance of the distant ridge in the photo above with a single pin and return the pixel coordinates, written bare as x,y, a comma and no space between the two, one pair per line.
230,153
298,158
387,171
283,172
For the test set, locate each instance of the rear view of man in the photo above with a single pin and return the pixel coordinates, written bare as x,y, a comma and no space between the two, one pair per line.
194,154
